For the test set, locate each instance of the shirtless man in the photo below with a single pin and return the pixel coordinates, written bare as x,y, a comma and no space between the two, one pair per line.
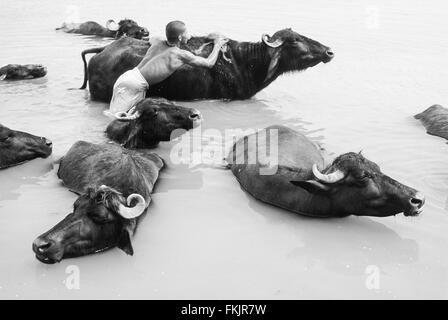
160,61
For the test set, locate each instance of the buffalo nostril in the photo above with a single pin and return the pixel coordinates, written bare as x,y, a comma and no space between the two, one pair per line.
195,116
417,201
49,143
41,245
44,247
330,53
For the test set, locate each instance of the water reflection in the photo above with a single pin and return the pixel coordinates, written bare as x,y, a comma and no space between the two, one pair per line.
345,245
29,173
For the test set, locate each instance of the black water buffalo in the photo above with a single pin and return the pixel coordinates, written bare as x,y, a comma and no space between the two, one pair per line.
350,185
151,121
115,186
435,120
17,147
126,27
20,72
243,68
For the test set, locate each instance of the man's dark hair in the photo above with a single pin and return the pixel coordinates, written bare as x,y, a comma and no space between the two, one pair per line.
173,30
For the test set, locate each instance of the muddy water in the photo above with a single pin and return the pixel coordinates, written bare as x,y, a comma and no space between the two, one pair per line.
204,237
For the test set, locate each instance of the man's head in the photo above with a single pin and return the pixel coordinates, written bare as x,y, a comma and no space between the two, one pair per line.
176,32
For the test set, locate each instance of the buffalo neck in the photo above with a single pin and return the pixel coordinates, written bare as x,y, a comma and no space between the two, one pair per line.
314,205
131,135
142,139
252,61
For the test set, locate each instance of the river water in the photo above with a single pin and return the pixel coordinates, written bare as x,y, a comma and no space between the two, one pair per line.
204,237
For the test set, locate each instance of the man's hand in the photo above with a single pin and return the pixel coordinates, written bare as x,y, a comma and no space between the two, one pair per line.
221,42
193,60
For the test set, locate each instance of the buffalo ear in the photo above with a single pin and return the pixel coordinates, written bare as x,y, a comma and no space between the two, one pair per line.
312,186
273,65
124,243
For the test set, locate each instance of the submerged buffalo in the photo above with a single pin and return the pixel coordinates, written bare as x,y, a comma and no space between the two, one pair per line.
17,147
350,185
435,120
151,121
20,72
242,70
126,27
115,186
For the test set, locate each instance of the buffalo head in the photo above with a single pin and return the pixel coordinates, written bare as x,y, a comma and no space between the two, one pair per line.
35,70
291,51
17,147
127,27
357,186
101,219
151,121
27,71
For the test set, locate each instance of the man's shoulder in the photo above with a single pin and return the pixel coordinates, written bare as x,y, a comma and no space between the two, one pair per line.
182,52
155,40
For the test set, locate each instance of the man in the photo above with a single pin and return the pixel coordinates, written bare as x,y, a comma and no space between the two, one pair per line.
160,61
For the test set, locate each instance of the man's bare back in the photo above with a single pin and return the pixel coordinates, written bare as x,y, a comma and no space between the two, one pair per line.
157,65
162,60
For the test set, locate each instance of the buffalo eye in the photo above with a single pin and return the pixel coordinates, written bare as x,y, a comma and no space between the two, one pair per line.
150,113
363,178
99,219
99,198
100,215
357,179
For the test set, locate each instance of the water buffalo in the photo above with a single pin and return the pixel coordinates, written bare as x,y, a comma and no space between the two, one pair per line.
114,186
243,68
350,185
151,121
17,147
126,27
435,120
20,72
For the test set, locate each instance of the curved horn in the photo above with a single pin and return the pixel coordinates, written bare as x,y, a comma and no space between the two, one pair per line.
328,178
277,43
123,116
134,212
110,27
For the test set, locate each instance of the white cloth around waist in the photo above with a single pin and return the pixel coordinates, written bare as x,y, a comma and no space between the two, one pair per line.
129,89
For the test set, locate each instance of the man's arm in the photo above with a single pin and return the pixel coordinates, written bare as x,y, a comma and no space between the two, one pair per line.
197,61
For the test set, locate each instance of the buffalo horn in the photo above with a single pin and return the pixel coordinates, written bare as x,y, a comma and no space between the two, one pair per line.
123,116
328,178
133,212
277,43
111,25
